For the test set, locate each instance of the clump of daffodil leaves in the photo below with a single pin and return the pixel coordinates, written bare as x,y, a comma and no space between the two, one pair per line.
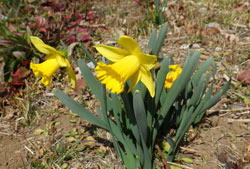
140,102
54,60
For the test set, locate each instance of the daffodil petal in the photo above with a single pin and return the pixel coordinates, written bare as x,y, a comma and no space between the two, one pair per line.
146,79
173,74
134,80
129,44
45,70
127,66
46,81
111,53
148,61
109,77
42,47
71,74
174,67
63,62
115,75
168,85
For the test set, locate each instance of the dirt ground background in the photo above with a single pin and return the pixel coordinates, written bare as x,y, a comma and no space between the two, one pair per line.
37,131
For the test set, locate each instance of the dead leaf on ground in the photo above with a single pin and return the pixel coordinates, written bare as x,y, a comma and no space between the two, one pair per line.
80,84
244,76
4,89
20,74
231,37
242,6
211,31
192,28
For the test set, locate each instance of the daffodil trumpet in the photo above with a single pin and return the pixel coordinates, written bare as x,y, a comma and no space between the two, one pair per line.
54,60
128,63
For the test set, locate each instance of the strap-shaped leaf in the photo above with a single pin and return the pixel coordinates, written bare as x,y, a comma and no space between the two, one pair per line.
197,76
180,83
147,163
205,98
213,100
182,129
91,81
130,116
119,135
140,115
79,109
201,70
160,39
163,96
161,76
198,90
141,87
88,54
152,39
117,108
129,159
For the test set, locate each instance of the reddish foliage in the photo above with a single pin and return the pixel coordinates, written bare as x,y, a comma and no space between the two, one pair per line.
53,5
71,39
85,38
65,22
90,16
20,74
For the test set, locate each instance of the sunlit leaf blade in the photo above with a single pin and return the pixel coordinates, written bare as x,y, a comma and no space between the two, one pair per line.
88,54
119,135
160,79
213,100
152,39
79,109
91,81
147,157
180,83
140,115
206,97
128,104
202,69
160,40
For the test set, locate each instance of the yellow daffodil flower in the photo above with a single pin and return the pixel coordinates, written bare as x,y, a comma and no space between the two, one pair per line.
128,63
173,74
55,60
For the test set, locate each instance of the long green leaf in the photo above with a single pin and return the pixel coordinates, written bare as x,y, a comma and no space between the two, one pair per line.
161,76
117,109
88,54
198,91
152,39
197,76
91,81
128,104
147,157
119,135
140,115
213,100
205,98
160,40
202,69
179,84
182,129
79,109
